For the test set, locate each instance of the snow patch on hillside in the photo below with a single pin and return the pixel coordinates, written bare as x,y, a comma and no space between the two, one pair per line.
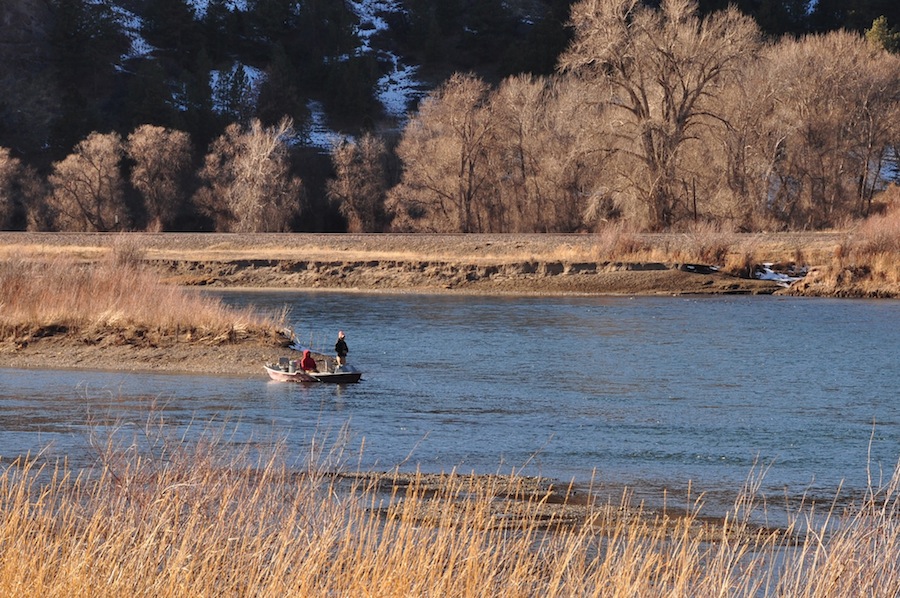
398,88
318,134
131,26
200,6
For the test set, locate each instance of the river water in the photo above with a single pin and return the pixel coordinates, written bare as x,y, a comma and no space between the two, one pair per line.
649,392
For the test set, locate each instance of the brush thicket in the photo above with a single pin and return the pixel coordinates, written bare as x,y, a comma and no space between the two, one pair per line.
61,295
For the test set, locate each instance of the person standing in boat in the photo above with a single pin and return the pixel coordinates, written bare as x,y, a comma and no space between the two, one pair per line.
340,347
308,364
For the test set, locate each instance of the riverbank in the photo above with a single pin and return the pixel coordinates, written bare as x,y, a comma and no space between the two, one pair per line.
546,264
538,264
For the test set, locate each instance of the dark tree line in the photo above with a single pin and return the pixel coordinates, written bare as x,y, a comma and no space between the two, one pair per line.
547,131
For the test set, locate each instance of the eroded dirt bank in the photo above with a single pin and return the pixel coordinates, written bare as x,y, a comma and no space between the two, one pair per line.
525,277
477,263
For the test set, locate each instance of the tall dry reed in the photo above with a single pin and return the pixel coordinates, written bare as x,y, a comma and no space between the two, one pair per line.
204,520
876,245
60,294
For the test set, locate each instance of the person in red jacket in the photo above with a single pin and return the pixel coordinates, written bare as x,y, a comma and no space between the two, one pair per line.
308,364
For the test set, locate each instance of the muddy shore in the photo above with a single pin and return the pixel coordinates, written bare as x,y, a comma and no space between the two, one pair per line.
515,264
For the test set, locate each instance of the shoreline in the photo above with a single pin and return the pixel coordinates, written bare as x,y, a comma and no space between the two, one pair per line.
541,265
544,264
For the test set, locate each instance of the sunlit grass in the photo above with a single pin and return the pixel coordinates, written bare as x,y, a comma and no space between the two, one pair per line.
615,242
866,261
861,259
61,295
204,519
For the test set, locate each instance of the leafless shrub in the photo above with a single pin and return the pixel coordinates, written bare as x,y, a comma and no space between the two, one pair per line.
162,162
126,251
706,243
249,185
614,242
87,187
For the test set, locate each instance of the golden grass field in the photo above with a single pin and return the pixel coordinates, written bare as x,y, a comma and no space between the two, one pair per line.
615,262
614,245
860,261
193,519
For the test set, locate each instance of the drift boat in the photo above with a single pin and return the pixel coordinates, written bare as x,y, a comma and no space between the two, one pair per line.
286,370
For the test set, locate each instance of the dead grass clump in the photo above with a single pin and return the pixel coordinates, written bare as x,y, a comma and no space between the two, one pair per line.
705,243
879,235
867,263
743,259
127,252
741,264
66,296
615,243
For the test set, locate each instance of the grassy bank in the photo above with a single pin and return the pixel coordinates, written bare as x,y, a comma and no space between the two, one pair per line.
202,520
860,260
115,299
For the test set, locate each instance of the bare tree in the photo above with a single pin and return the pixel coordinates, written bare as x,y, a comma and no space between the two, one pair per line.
360,185
10,170
22,193
162,163
87,186
836,114
34,192
521,139
658,72
446,185
544,157
249,185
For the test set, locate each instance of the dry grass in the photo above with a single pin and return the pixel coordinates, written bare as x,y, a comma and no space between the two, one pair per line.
613,243
866,261
203,520
854,262
876,245
60,295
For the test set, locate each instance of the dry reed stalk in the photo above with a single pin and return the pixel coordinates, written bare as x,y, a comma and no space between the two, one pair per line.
615,243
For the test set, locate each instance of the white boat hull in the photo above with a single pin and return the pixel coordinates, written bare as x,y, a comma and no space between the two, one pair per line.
342,376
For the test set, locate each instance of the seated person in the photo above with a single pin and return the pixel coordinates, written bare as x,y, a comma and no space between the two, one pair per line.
308,364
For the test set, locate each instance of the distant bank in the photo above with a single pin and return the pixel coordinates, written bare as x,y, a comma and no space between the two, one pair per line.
541,264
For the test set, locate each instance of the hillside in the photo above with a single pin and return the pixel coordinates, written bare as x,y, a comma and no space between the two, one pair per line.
72,66
542,116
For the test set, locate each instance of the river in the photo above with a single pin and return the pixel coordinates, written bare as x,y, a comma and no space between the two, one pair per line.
647,392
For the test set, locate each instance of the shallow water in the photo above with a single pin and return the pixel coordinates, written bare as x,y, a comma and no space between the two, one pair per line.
651,392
